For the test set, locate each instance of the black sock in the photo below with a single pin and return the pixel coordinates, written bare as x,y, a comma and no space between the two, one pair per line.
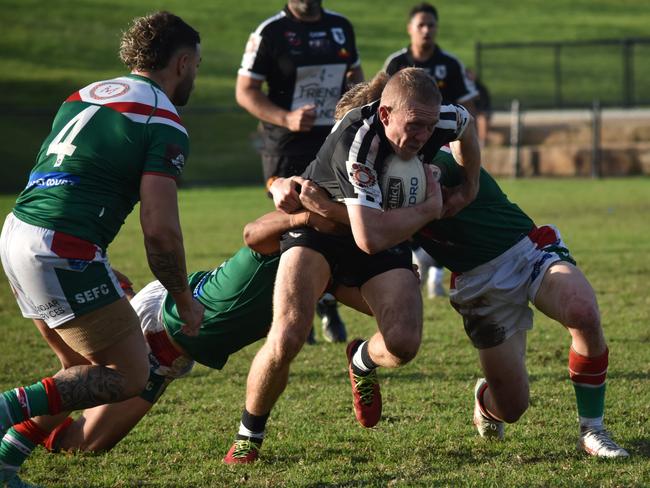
254,424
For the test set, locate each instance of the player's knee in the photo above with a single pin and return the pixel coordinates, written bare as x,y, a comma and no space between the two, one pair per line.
583,315
285,347
403,346
514,408
134,378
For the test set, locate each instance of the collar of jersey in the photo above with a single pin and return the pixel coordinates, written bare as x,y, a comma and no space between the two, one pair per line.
290,15
144,78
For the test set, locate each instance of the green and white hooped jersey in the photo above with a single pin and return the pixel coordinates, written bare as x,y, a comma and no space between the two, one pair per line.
104,138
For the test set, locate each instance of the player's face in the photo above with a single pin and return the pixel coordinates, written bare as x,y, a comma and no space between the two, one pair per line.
422,29
184,88
410,127
305,8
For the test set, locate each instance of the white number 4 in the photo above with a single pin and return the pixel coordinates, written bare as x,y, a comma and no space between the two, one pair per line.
64,147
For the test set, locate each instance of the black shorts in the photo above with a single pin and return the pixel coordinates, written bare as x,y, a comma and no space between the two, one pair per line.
284,166
350,266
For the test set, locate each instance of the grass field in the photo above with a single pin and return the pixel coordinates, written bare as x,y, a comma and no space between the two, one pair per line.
426,437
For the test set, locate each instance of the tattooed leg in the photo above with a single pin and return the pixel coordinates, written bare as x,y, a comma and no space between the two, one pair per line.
89,386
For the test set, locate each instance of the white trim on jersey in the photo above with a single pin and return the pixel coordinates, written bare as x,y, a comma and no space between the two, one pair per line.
271,19
359,137
393,56
146,119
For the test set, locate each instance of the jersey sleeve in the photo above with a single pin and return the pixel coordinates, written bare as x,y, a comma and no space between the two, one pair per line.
167,151
356,176
257,59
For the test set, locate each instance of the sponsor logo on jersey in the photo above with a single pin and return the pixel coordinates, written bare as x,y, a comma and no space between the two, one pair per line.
343,53
174,154
338,35
295,235
93,293
51,180
362,176
108,89
317,34
319,45
440,71
292,38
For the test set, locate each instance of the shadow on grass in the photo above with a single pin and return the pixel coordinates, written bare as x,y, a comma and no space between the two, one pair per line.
638,447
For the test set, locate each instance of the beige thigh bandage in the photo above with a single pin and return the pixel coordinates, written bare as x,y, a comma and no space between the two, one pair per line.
101,328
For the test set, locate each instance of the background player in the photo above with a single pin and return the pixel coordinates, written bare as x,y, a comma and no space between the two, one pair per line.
308,57
112,143
455,87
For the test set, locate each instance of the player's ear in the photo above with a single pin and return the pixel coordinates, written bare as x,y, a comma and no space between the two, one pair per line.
182,62
384,114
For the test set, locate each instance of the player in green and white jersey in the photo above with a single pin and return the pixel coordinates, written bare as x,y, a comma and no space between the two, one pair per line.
500,261
112,143
237,297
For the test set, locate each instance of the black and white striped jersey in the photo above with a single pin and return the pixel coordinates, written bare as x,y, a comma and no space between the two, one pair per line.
351,160
302,63
446,68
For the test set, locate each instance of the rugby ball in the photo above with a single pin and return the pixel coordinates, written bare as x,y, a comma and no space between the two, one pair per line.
403,183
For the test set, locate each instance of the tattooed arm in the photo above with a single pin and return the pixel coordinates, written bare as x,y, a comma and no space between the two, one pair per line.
163,241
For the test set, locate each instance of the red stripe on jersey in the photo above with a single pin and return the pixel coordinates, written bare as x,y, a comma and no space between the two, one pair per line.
162,348
143,109
452,280
589,371
71,247
155,173
542,236
75,97
53,395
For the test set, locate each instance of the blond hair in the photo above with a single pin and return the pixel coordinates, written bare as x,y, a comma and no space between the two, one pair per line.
361,94
410,85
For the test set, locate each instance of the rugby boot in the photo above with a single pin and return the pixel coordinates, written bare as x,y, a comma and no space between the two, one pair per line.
243,451
366,395
598,442
486,427
333,326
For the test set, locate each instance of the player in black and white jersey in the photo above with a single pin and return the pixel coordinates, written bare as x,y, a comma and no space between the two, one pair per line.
455,87
423,52
308,57
408,121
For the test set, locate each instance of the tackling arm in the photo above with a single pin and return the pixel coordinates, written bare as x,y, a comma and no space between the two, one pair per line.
467,152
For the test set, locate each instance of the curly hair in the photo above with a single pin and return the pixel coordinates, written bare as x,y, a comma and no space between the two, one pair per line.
151,41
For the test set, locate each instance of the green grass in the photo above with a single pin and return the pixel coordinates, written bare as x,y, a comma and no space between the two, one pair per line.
50,49
425,438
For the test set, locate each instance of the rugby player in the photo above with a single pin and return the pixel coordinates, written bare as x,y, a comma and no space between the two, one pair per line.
307,57
407,120
112,143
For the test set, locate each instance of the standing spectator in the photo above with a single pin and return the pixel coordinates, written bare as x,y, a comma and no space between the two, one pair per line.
454,86
308,57
112,143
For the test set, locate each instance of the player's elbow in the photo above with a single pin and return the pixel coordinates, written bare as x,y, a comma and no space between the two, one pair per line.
368,244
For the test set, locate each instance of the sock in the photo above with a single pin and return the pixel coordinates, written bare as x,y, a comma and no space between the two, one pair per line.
51,442
588,377
18,443
362,364
438,274
252,427
25,402
484,411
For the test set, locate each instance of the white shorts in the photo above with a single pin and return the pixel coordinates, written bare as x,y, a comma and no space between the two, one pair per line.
164,359
493,297
55,276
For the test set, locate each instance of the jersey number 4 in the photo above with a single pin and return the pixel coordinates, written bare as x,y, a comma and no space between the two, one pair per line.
62,144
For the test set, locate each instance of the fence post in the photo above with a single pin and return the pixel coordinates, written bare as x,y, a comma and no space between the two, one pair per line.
515,137
477,59
595,140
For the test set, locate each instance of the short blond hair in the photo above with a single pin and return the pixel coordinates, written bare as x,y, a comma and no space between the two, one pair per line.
410,85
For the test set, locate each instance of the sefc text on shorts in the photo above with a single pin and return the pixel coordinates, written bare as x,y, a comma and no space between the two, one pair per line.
350,266
493,297
55,276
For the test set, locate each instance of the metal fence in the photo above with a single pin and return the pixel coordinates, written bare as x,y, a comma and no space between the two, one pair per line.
566,74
